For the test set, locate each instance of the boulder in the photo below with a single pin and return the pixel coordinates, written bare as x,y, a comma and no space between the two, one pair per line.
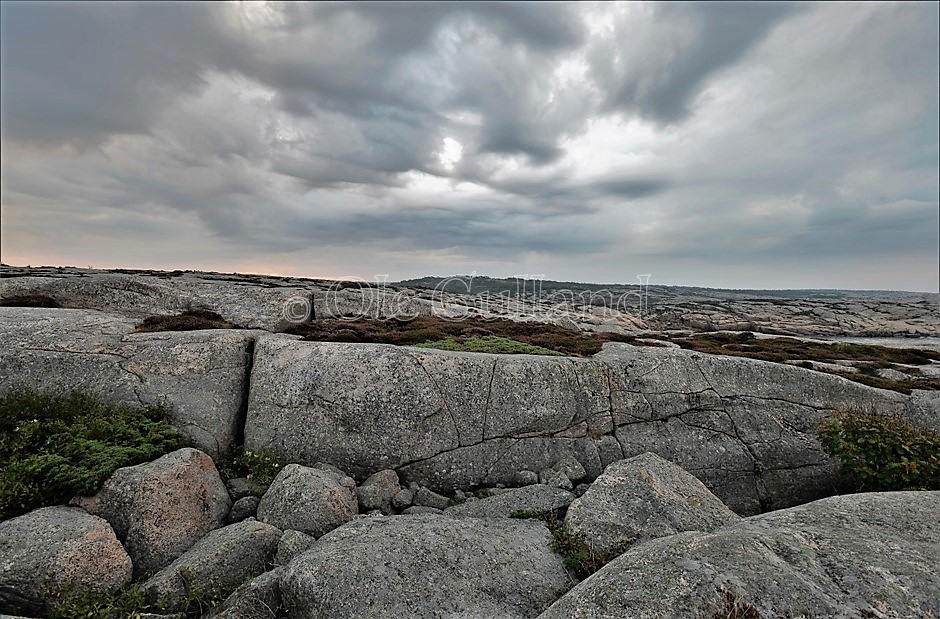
159,509
259,598
458,421
291,544
863,555
425,566
643,498
314,501
377,491
427,498
56,550
201,376
538,498
245,507
216,564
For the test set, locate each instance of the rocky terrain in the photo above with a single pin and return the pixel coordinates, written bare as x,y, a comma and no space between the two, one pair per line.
699,473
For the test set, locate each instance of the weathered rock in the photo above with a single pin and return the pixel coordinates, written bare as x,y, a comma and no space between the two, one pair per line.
417,510
571,468
291,544
241,487
200,375
311,500
159,509
245,507
427,498
526,478
259,598
425,566
54,550
377,491
451,421
643,498
219,562
403,498
555,478
864,555
538,498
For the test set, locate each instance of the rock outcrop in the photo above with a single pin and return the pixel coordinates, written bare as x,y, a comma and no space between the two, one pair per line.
643,498
199,375
57,550
864,555
425,566
451,421
161,508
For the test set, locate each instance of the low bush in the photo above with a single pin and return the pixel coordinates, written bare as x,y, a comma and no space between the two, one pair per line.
189,320
56,445
882,452
29,300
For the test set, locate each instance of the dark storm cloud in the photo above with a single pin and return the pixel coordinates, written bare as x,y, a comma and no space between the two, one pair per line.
579,132
682,46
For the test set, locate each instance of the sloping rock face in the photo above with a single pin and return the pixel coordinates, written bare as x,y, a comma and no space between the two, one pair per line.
643,498
537,498
161,508
864,555
425,566
220,561
200,375
54,550
450,421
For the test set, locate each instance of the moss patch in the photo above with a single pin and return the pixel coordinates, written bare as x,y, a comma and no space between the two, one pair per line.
54,446
490,344
189,320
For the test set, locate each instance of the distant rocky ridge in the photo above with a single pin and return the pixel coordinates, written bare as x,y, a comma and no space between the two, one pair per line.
260,301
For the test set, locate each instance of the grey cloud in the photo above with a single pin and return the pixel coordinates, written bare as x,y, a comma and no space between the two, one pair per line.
682,46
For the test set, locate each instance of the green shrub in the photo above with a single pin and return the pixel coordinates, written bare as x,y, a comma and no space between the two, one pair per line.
189,320
56,445
126,603
490,344
882,452
259,467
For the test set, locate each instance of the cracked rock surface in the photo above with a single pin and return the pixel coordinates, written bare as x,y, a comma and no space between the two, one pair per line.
451,421
200,375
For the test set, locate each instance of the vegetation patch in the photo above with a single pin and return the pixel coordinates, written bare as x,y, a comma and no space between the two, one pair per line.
868,357
189,320
259,467
490,344
732,606
428,330
57,445
882,452
29,300
579,556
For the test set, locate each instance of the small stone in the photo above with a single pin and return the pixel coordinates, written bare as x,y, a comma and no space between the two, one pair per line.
421,509
245,507
403,499
526,478
571,468
580,489
551,477
307,499
427,498
377,491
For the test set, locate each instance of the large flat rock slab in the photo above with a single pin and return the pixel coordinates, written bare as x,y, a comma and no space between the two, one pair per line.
448,421
200,375
426,566
864,555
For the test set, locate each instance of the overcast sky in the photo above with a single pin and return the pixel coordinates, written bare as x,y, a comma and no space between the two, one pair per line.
741,145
